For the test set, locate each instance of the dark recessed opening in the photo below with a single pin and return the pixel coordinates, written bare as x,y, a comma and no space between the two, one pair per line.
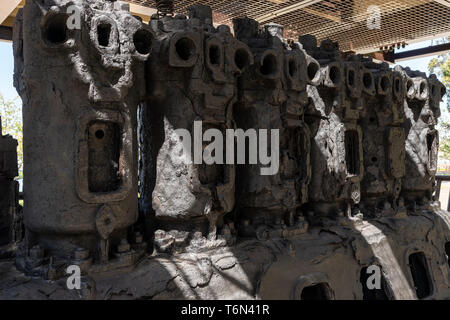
99,134
313,68
423,88
269,65
185,48
367,80
352,151
320,291
385,84
142,40
432,149
241,58
397,86
103,34
372,293
104,156
372,119
447,252
214,55
351,78
56,29
293,70
335,75
410,87
421,277
374,159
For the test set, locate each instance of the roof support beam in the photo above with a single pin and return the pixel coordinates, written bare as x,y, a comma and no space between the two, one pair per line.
144,12
391,57
6,34
322,14
286,10
444,2
7,7
422,52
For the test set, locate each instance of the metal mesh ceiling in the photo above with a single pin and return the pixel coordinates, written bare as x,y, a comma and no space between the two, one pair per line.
344,21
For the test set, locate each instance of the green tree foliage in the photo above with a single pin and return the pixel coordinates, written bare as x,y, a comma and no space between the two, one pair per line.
11,114
441,67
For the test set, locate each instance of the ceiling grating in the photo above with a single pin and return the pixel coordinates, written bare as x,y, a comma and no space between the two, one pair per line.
344,21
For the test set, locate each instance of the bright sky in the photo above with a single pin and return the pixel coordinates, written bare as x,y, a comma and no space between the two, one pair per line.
420,63
6,74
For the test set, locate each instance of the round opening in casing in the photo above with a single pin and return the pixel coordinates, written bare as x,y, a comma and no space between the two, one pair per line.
269,65
185,48
99,134
55,29
142,40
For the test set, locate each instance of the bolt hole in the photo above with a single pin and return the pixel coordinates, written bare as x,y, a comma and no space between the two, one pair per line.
374,159
99,134
185,48
142,40
55,29
269,65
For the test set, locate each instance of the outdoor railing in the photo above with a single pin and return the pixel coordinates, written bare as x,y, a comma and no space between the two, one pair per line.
439,179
